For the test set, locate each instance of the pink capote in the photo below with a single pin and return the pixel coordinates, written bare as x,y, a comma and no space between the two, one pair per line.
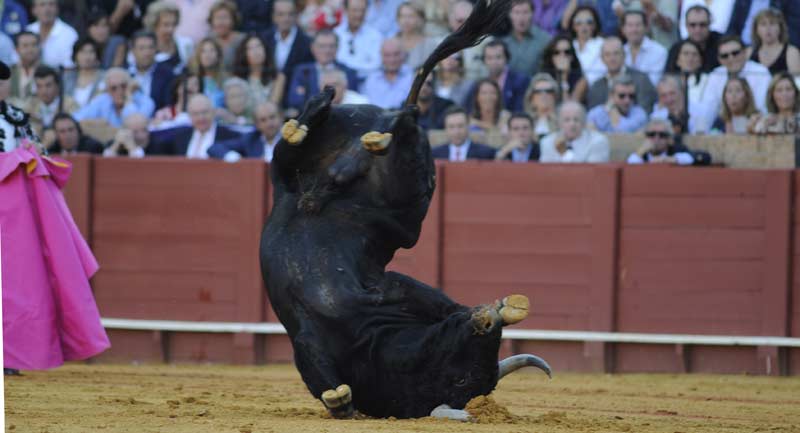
49,312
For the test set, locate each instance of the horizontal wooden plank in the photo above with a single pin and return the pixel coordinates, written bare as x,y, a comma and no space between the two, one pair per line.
154,172
524,179
137,285
516,268
691,243
708,212
678,277
517,238
654,181
194,311
516,209
157,254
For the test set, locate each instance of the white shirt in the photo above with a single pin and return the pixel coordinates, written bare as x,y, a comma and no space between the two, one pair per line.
352,97
145,78
200,143
756,75
57,49
589,58
283,47
269,147
48,111
651,59
459,153
360,51
721,11
590,146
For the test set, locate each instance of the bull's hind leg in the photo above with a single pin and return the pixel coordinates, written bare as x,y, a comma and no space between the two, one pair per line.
319,373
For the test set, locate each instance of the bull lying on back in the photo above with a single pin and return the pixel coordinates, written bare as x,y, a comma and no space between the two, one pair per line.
352,184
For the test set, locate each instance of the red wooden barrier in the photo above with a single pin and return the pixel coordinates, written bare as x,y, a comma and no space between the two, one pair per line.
78,192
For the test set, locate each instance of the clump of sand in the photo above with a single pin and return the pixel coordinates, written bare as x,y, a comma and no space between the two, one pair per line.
485,410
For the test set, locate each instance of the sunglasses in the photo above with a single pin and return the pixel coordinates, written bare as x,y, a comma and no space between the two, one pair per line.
588,22
659,134
734,53
626,95
549,90
700,24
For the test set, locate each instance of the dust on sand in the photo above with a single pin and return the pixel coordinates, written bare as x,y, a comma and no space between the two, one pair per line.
80,398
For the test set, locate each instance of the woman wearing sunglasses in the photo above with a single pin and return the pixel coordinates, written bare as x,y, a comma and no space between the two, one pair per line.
540,104
584,26
559,61
659,147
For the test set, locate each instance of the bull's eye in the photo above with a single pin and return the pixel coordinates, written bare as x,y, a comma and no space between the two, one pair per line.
461,382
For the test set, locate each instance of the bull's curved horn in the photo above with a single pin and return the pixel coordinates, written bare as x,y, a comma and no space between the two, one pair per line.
514,363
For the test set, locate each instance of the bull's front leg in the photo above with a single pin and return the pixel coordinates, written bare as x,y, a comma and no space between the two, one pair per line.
319,373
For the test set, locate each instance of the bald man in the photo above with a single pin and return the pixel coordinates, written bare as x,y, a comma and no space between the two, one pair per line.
389,86
192,141
257,144
122,98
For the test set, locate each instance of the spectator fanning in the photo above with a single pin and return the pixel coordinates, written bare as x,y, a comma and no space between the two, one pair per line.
162,18
574,142
193,142
111,48
620,113
559,60
69,138
450,82
255,64
771,45
527,41
488,116
460,147
613,57
783,106
29,52
688,64
337,79
56,36
257,144
224,20
698,20
521,146
512,84
206,63
359,44
388,87
84,82
123,97
659,146
411,21
131,140
431,107
153,78
641,52
540,104
738,112
305,78
584,26
47,103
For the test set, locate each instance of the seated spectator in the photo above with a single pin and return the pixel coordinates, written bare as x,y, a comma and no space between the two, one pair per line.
733,57
450,82
131,140
321,15
738,110
306,76
472,57
257,144
381,16
238,107
85,81
771,45
512,84
47,102
174,114
337,79
153,77
540,104
359,43
122,98
527,40
290,45
659,146
719,14
620,113
256,65
111,47
388,87
488,117
411,21
223,18
641,52
431,106
460,147
206,63
69,138
56,37
559,60
688,65
698,20
584,26
671,106
162,18
573,142
193,141
29,54
783,107
614,58
521,146
662,15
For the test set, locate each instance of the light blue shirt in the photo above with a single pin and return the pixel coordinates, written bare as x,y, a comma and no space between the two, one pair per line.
102,107
634,121
388,94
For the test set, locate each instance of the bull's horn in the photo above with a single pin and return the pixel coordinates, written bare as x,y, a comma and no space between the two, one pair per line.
376,142
446,412
293,132
514,363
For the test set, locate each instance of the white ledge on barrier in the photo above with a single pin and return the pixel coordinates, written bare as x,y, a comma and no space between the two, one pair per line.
511,334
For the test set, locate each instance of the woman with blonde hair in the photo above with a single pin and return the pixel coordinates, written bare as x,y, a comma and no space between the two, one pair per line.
541,101
206,63
223,18
411,21
738,112
162,18
771,45
783,105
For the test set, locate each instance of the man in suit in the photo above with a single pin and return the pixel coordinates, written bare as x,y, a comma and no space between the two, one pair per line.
613,56
290,45
69,138
195,141
305,78
431,107
47,102
460,147
154,78
257,144
512,84
520,146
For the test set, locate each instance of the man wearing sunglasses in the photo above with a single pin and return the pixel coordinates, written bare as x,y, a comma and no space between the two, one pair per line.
620,114
613,56
122,97
698,22
659,147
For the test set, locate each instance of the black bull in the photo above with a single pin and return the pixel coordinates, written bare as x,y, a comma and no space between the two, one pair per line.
343,204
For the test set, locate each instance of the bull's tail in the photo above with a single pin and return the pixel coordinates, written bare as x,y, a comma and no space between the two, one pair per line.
486,17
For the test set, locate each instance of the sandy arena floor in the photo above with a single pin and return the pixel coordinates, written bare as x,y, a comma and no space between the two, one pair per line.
203,399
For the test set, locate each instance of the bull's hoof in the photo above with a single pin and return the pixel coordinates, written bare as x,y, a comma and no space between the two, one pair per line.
376,142
293,132
339,401
514,308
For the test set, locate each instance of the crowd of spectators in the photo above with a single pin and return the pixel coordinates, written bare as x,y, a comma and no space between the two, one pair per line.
217,78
